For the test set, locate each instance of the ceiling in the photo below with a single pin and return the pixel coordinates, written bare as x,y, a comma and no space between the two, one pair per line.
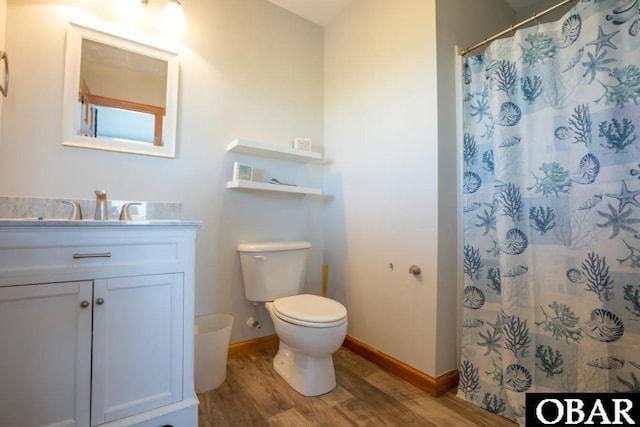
323,12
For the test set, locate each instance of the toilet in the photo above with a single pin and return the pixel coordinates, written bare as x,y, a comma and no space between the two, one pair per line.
310,327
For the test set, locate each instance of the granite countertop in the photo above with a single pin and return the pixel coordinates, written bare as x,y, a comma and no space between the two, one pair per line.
36,222
50,212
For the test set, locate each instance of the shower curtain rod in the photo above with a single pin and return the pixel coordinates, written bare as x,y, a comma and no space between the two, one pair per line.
512,28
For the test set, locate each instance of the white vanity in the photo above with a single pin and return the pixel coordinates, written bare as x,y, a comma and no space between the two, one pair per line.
96,323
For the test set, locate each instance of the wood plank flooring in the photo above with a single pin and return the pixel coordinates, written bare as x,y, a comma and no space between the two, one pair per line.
253,395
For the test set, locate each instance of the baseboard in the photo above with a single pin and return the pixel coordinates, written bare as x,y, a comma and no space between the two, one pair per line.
433,386
251,346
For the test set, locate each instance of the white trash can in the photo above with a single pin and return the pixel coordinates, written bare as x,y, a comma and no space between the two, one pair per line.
212,334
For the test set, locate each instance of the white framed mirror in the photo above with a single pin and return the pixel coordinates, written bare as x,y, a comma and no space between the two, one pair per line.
119,94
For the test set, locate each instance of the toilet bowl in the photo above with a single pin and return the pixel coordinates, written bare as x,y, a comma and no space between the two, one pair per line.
310,328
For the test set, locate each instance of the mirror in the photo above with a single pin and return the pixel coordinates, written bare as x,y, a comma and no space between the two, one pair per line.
119,94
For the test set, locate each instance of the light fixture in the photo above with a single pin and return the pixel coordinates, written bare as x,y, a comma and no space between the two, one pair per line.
130,8
173,18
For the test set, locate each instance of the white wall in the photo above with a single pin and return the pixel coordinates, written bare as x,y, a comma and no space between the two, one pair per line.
391,147
248,69
382,148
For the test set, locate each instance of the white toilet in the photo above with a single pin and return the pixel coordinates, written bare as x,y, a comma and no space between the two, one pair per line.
310,328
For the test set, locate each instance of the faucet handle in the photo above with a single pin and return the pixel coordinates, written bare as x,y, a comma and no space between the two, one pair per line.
125,215
76,210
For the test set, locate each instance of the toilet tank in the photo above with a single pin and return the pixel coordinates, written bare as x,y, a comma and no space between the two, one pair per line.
272,270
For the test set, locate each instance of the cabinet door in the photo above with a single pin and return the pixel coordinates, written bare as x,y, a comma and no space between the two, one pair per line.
45,354
137,345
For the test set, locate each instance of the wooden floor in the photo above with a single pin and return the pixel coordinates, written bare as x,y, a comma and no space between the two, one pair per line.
254,395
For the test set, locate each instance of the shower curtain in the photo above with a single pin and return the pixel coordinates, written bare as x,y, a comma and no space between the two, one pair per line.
551,192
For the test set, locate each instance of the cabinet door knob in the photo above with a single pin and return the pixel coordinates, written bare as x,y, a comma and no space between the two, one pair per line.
84,304
100,301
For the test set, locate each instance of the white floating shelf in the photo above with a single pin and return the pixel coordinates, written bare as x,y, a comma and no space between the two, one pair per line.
263,186
245,146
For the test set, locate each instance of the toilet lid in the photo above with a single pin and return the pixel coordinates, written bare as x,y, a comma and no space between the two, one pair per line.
310,310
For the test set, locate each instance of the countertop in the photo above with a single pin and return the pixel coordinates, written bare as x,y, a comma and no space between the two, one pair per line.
35,222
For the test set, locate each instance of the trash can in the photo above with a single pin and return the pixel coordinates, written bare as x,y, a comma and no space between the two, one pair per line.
212,334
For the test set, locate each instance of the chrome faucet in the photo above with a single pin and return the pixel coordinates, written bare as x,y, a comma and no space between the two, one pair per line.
76,210
125,215
101,206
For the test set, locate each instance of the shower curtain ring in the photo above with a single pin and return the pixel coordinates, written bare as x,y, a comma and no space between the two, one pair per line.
535,19
512,32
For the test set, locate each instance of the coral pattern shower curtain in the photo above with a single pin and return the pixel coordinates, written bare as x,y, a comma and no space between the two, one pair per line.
552,210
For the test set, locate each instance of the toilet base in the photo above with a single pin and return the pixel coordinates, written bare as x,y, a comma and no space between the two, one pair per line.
308,375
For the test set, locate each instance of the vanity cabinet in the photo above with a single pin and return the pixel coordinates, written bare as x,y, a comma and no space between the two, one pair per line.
137,345
45,356
96,324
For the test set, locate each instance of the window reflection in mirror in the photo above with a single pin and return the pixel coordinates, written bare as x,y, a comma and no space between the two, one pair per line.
120,95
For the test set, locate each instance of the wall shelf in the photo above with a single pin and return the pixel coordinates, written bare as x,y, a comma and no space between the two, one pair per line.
254,148
263,186
259,149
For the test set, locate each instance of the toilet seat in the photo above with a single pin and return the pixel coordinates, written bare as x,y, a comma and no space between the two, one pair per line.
310,310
